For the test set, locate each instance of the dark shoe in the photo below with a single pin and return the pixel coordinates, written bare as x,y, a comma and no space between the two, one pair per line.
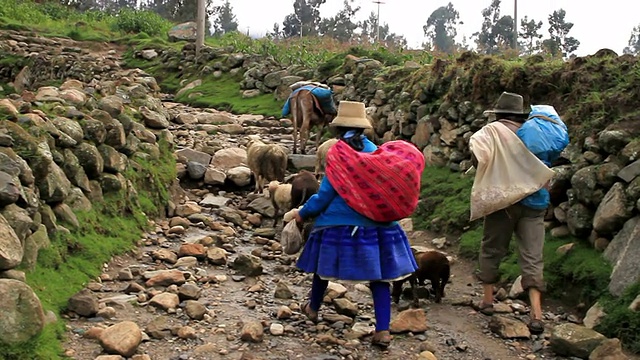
536,326
483,308
381,339
311,315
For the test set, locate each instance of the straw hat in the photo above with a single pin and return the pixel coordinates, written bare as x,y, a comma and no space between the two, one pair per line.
508,103
352,114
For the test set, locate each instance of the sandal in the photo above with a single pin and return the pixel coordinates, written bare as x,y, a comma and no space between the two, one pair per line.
536,326
311,315
483,308
381,339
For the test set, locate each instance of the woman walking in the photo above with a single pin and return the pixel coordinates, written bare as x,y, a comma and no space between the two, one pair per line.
347,245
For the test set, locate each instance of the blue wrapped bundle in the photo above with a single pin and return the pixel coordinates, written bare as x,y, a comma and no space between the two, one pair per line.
544,133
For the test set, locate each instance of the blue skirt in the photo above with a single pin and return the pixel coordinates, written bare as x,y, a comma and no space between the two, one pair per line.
360,254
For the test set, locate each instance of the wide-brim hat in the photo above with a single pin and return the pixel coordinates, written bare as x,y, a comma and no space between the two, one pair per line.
351,114
508,103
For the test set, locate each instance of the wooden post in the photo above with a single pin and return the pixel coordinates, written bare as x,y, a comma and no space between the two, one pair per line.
200,29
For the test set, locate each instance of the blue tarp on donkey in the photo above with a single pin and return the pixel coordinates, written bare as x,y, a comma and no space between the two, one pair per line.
324,96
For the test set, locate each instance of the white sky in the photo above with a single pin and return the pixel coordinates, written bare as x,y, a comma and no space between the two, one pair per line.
597,24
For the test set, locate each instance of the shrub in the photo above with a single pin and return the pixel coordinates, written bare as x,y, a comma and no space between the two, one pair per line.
140,21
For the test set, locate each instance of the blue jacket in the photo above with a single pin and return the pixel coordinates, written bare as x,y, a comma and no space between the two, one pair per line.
330,209
540,199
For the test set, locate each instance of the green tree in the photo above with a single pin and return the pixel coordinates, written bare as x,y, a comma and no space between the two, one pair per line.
340,26
369,32
634,42
559,42
368,28
305,18
224,20
496,33
530,35
441,28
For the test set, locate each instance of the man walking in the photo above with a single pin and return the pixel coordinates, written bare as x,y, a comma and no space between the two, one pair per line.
524,218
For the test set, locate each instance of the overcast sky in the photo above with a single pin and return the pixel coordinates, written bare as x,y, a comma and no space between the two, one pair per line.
598,24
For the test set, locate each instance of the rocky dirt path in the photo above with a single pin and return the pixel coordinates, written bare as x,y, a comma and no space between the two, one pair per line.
212,283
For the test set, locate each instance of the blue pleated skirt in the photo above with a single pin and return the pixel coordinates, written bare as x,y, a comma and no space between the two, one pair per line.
358,254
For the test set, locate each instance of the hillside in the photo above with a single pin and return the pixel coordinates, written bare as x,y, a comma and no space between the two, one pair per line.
434,102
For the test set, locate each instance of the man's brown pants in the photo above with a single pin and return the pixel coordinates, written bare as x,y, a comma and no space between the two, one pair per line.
528,225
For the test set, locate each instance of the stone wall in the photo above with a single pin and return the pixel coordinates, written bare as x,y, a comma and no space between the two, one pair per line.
596,194
62,151
39,61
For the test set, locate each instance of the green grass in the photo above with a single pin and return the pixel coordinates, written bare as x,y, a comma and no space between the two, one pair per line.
224,94
56,20
444,202
469,246
620,321
6,90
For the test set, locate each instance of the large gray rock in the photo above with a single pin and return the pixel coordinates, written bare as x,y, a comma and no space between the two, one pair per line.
262,206
69,127
153,119
22,316
112,104
9,189
211,200
630,172
74,171
248,265
122,338
624,254
613,211
239,175
229,158
55,187
300,162
194,155
214,176
575,340
183,32
196,170
11,250
580,220
610,349
84,303
584,182
32,245
90,159
114,161
77,200
19,219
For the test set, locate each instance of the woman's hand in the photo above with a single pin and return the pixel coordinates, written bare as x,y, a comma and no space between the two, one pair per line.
293,214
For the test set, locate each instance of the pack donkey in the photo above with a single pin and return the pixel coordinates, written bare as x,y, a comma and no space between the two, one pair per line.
307,112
